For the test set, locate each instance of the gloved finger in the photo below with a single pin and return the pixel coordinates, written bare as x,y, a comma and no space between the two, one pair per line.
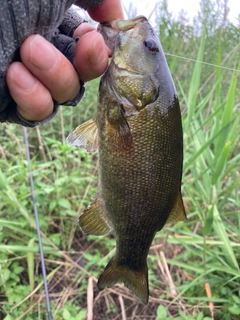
51,68
91,56
85,28
33,99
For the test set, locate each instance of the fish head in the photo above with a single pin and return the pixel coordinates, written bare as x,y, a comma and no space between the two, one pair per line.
138,67
134,42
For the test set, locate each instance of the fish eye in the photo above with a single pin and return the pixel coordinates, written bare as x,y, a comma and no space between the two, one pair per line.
151,45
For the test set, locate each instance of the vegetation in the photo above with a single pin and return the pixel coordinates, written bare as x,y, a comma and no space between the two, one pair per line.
193,265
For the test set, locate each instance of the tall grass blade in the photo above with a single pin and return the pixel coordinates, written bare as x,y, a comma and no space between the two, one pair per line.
221,162
220,230
30,264
195,81
227,116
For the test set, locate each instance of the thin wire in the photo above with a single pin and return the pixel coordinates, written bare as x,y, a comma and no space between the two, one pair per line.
37,225
199,61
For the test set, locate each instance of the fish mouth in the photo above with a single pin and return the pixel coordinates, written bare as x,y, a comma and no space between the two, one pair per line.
111,30
122,25
128,71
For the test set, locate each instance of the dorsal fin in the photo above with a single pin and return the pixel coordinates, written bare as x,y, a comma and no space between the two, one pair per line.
178,211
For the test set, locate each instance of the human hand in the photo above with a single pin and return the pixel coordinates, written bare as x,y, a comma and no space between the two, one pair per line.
46,74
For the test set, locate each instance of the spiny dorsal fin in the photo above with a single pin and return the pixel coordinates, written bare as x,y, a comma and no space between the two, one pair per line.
85,136
178,212
93,220
135,280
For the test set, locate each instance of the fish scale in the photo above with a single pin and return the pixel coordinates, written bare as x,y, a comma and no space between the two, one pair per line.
139,133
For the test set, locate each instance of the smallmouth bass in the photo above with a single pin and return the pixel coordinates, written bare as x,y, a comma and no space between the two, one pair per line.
138,133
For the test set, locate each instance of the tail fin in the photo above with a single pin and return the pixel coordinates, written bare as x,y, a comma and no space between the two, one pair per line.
136,281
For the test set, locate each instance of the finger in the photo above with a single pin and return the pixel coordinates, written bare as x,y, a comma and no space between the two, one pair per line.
85,28
91,57
82,29
34,101
50,67
108,10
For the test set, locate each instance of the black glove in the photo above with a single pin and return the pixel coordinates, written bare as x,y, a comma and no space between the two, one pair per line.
55,21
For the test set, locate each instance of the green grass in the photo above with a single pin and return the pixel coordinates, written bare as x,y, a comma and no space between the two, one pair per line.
193,265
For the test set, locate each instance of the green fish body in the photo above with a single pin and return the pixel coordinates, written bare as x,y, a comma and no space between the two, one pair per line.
139,134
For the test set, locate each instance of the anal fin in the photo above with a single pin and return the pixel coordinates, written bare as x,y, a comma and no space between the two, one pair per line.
93,220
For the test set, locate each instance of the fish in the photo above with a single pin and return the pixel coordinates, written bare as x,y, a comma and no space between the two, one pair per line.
138,134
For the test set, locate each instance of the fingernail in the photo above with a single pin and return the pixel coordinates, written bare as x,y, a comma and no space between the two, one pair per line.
42,54
24,80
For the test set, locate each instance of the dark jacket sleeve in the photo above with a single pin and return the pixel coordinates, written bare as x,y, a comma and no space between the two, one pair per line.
56,26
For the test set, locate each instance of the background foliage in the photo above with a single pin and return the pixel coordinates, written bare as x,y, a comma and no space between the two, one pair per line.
194,265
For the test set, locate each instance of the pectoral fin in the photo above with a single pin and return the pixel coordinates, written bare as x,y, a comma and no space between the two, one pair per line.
178,212
119,133
93,220
85,136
